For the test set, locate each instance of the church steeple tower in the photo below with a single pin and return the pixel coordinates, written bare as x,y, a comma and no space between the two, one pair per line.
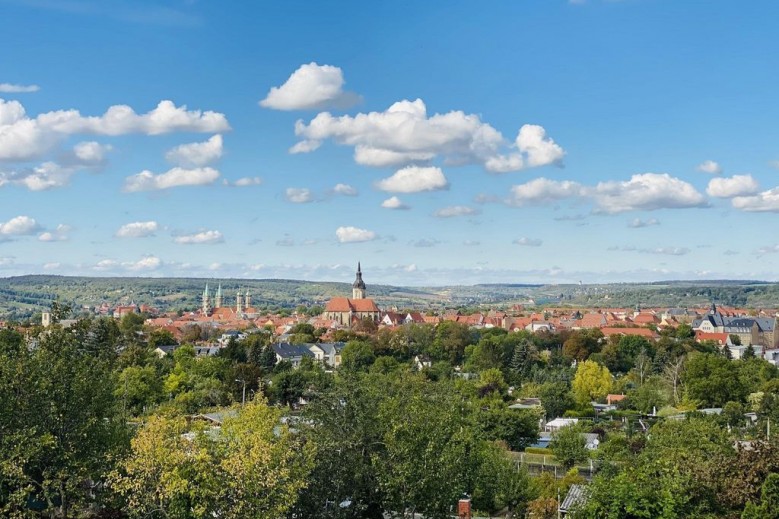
206,308
358,287
218,299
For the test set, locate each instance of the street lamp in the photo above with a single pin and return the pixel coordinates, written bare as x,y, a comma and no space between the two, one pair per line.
243,401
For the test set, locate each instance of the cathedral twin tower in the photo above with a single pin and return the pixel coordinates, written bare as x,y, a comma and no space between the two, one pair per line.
242,301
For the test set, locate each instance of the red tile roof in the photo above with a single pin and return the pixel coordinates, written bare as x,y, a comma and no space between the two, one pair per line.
719,338
643,332
592,321
344,304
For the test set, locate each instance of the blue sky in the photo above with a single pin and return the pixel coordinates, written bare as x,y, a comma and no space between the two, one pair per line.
437,142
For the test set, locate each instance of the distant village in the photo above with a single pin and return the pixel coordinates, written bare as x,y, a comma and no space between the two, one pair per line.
223,317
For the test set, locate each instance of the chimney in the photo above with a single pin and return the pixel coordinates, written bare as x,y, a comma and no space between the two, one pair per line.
464,509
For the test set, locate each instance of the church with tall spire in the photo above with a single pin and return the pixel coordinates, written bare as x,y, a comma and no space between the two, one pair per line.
218,311
347,312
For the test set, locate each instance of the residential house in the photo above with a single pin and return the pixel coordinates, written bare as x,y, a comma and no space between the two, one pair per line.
294,353
328,353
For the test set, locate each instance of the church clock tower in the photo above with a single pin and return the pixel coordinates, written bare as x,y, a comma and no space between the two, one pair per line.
358,287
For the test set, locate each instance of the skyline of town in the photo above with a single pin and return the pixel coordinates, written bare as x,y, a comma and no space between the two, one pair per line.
437,143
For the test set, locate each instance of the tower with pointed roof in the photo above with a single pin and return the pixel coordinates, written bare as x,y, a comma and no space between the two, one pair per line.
358,287
206,302
218,298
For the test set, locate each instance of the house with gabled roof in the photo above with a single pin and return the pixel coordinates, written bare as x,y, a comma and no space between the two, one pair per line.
294,353
328,353
592,320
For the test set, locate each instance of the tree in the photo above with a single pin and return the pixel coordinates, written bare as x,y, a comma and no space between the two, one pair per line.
429,425
569,446
556,399
670,477
357,356
591,382
769,501
518,428
59,424
160,337
451,338
582,343
522,357
343,422
251,467
713,380
492,383
138,388
499,484
262,465
672,373
287,387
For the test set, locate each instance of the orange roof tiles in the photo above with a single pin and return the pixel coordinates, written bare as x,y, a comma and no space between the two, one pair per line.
592,321
643,332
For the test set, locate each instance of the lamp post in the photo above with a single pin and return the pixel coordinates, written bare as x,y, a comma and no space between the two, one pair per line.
243,400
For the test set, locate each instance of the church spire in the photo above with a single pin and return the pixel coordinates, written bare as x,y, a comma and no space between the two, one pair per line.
358,287
206,302
218,299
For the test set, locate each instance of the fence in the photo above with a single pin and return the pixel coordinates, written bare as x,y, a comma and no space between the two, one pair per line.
537,464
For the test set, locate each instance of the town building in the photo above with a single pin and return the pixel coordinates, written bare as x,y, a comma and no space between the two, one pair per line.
217,311
346,312
757,331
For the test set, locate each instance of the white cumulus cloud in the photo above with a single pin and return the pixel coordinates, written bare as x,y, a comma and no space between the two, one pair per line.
25,138
58,234
637,223
394,202
404,134
48,175
199,237
19,226
737,185
345,189
299,195
413,179
763,202
535,149
456,210
175,177
310,87
667,251
542,191
91,152
196,154
646,191
137,229
247,181
528,242
354,234
143,264
10,88
710,167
